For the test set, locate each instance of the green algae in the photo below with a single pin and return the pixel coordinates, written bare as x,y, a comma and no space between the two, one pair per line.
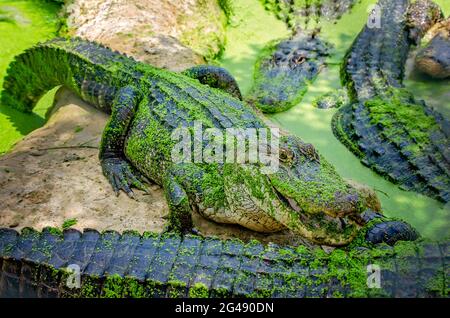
313,125
413,120
69,223
199,290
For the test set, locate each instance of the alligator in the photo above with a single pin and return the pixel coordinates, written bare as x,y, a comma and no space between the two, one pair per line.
303,12
396,135
285,69
147,105
46,264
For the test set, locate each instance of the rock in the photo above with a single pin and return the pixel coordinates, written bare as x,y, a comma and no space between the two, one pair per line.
434,58
65,181
170,34
435,29
422,15
167,52
295,13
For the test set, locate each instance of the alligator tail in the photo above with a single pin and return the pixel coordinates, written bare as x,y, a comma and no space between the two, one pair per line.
86,68
109,264
32,74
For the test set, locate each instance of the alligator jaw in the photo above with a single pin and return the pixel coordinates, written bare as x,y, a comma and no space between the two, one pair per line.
310,225
288,202
345,205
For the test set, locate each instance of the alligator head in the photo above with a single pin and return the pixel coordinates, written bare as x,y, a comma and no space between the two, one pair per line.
305,194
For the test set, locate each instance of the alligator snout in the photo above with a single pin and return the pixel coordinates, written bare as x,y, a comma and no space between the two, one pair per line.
346,204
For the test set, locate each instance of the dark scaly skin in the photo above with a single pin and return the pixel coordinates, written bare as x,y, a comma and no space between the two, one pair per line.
394,134
33,264
147,104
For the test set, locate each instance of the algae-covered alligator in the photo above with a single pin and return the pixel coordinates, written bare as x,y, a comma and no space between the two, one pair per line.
36,264
147,104
392,132
286,68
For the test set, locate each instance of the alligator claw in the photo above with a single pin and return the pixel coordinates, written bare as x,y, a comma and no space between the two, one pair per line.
122,176
390,232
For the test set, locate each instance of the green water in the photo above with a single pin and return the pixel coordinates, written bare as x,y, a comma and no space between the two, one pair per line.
35,21
252,27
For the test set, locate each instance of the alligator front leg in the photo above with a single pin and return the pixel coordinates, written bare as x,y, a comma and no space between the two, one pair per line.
380,229
180,219
120,174
216,77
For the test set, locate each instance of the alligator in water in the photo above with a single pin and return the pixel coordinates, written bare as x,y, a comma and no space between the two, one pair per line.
302,13
392,132
285,69
36,264
147,104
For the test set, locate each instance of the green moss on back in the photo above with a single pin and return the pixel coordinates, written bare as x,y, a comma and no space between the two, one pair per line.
199,290
399,117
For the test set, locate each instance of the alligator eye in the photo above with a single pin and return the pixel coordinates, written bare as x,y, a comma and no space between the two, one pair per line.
286,155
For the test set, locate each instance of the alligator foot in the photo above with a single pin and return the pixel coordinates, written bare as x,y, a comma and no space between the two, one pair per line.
390,232
384,230
216,77
122,176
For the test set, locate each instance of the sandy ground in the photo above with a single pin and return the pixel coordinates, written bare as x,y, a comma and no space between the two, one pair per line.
54,175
